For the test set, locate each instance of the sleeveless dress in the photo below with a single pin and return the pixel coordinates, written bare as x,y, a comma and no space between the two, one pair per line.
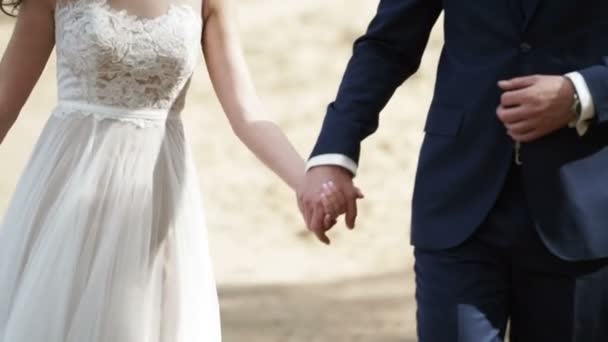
105,239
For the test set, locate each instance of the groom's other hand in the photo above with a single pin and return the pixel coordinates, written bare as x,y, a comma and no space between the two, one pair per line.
311,202
534,106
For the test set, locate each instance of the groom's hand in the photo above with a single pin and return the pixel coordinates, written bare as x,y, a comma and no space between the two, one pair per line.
534,106
311,201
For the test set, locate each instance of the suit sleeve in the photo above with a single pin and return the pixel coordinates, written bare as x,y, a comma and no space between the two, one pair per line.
383,58
596,79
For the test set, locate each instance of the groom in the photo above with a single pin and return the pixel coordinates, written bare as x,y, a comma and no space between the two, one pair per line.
510,207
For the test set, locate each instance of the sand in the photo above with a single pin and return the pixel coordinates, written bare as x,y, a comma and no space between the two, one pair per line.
276,282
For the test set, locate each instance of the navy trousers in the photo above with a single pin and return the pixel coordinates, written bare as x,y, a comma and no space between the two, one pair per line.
504,273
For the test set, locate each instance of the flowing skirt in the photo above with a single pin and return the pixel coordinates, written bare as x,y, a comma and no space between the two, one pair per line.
105,238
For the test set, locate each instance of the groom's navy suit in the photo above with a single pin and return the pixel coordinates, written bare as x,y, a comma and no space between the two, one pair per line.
466,184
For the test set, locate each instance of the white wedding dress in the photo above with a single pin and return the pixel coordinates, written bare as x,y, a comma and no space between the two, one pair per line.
104,239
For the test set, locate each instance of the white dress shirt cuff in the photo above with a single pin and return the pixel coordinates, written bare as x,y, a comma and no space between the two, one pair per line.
587,106
333,159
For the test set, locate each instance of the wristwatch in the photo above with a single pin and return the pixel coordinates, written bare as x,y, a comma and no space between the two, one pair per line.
576,108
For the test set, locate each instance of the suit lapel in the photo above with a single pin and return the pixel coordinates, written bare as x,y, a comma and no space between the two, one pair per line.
530,8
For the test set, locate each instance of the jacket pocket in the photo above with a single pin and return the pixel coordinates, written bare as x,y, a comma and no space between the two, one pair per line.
444,120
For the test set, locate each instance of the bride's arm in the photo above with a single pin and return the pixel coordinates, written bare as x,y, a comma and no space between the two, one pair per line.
234,87
25,58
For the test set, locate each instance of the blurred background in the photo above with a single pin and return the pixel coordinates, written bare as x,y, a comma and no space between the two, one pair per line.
276,282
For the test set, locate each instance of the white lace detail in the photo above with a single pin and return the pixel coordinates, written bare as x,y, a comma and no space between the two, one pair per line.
109,57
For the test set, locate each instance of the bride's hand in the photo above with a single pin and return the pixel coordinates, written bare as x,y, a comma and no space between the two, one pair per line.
334,203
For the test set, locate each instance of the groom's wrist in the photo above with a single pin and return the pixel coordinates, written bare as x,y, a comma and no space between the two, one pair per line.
334,159
586,102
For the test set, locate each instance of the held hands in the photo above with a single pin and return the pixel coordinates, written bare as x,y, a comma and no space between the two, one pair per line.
530,108
534,106
326,193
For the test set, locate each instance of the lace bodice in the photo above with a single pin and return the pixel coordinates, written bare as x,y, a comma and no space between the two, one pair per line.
111,57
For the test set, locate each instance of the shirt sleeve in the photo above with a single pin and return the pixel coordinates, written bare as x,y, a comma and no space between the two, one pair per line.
333,159
587,105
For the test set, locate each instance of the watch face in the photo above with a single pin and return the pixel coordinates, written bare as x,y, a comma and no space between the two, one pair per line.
576,106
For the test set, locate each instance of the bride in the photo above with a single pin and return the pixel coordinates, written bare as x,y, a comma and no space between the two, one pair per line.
104,239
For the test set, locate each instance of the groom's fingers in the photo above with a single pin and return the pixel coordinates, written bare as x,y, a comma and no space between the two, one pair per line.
522,127
329,206
518,82
359,193
512,114
339,197
351,212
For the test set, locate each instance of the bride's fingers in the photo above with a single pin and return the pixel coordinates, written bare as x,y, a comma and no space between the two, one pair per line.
329,221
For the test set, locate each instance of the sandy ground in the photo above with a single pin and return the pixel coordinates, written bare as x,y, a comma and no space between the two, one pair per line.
276,282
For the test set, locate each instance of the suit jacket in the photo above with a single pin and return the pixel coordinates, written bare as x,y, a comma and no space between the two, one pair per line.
466,152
